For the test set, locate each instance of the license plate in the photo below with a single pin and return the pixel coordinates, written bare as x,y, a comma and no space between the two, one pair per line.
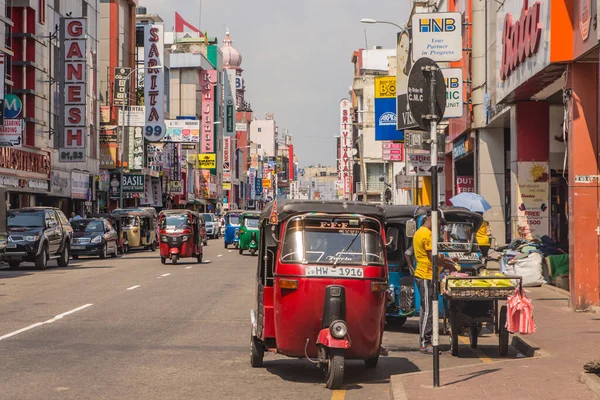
77,247
12,246
339,272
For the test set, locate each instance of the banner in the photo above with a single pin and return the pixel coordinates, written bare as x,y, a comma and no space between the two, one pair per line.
11,133
136,148
176,187
148,196
157,193
346,144
134,116
182,131
229,104
226,153
252,182
385,109
207,161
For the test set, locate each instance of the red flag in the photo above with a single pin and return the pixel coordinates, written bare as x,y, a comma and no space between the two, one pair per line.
181,24
274,217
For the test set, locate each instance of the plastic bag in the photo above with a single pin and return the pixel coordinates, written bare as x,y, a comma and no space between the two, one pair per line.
529,268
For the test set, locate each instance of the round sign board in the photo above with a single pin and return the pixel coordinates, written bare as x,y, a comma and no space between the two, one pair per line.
12,106
419,92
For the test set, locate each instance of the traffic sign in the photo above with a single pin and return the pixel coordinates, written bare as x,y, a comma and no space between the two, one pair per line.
419,93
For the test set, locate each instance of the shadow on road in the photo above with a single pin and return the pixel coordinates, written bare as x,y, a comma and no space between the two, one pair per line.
8,273
473,375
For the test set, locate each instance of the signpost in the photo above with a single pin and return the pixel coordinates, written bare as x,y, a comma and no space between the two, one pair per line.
427,102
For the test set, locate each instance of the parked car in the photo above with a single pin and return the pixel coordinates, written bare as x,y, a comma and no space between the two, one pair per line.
94,237
38,234
212,225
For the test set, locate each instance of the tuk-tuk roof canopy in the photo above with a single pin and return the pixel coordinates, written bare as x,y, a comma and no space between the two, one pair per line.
175,212
287,208
135,214
251,213
234,212
399,212
455,214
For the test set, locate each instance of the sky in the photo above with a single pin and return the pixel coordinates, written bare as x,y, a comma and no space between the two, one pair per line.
296,56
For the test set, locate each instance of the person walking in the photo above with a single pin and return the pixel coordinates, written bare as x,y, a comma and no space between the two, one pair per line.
483,237
424,277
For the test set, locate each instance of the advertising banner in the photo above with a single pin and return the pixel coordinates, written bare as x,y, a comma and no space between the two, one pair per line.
419,163
533,197
154,83
252,182
11,133
148,196
207,161
80,183
176,187
392,151
226,153
385,109
345,163
134,116
437,36
157,193
258,186
182,131
465,184
154,158
136,148
229,102
73,89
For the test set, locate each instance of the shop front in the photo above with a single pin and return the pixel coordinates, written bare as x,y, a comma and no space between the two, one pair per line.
60,192
26,174
81,193
464,165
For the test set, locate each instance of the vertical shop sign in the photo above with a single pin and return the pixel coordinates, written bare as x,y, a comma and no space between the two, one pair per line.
229,106
346,146
136,148
208,80
121,89
252,182
154,83
385,109
226,154
73,89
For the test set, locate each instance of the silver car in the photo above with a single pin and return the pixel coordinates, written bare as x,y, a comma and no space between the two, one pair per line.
212,226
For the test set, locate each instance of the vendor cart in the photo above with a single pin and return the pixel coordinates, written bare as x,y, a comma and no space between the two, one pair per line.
472,306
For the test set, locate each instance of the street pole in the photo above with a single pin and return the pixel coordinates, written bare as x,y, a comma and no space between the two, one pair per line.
435,230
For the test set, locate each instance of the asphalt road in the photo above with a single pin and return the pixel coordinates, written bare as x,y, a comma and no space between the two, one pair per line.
131,328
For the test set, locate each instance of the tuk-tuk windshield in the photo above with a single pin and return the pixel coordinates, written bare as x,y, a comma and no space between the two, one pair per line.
131,221
456,232
233,219
176,221
327,240
251,222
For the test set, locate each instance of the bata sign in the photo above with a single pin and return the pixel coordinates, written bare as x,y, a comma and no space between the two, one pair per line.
521,38
154,83
73,88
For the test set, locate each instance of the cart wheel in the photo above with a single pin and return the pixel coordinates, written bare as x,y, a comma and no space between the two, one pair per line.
163,260
503,334
174,259
454,328
335,369
257,352
473,335
372,362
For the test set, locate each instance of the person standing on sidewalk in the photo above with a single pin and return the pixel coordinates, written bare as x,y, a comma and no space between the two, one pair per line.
424,275
483,237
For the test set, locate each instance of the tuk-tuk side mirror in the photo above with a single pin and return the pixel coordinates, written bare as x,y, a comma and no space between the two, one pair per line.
393,235
411,228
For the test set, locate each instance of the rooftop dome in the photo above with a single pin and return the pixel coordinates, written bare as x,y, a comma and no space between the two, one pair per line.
231,57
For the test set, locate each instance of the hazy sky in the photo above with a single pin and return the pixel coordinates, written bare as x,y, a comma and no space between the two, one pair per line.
296,56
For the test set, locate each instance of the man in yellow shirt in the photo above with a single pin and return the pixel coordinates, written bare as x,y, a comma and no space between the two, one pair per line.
483,239
424,275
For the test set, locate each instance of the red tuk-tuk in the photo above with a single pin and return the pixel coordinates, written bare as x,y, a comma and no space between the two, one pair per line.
180,235
321,284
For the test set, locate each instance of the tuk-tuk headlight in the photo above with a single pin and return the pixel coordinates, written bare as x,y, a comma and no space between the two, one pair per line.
164,238
338,329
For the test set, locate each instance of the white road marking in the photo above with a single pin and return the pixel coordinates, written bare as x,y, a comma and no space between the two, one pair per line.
133,287
51,320
163,275
220,255
188,267
206,261
229,251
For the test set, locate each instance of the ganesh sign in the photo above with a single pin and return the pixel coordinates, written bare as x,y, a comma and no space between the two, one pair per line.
154,83
345,151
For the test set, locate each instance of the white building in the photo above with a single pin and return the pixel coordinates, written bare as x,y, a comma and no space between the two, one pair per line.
264,132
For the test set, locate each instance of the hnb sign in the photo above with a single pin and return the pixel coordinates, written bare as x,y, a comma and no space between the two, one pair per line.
454,92
437,36
437,25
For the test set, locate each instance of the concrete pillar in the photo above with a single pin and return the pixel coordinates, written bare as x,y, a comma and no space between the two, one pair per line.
583,195
490,178
530,181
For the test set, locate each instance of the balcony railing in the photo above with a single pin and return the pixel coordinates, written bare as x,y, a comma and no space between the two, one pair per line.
372,187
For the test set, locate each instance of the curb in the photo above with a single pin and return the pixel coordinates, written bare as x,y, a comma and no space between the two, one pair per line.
558,290
397,391
592,381
526,347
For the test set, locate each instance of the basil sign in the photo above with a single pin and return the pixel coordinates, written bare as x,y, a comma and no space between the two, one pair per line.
133,183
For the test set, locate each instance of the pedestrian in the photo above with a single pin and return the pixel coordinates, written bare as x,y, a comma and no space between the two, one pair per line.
423,275
74,217
483,237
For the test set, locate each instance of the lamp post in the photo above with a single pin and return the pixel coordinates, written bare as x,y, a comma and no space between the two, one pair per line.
122,129
374,21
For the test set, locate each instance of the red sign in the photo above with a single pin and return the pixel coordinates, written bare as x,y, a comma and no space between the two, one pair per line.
521,38
208,80
345,162
585,9
25,163
465,184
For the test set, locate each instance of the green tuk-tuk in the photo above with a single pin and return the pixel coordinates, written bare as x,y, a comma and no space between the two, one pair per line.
249,232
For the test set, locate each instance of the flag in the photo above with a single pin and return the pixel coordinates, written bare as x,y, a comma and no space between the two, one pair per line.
181,24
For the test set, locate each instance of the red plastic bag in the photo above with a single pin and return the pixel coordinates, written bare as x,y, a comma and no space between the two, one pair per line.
519,318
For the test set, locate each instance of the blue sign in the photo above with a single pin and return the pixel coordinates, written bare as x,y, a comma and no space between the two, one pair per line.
385,120
12,106
460,149
258,189
187,118
225,200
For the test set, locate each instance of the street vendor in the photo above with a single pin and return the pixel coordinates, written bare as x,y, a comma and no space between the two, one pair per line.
423,275
483,237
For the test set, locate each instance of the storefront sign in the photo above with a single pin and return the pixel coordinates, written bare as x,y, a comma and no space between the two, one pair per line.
134,116
465,184
176,187
148,198
121,89
13,106
252,182
108,149
105,115
419,163
226,153
241,127
60,183
460,148
133,183
226,185
208,80
207,161
73,89
182,131
391,151
229,101
114,186
35,163
385,109
454,92
437,36
346,144
533,197
157,193
155,160
80,183
258,187
154,83
136,148
11,133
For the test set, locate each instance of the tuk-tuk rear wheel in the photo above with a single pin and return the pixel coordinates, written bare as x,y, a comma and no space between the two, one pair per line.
335,369
163,260
199,258
257,352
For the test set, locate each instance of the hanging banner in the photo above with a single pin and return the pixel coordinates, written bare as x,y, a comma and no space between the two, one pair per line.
385,109
229,106
157,193
121,87
208,80
148,196
154,83
73,89
155,159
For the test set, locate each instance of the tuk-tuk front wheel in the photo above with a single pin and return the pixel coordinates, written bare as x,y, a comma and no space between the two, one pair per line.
225,244
153,246
252,252
241,250
257,352
174,258
163,260
199,258
335,369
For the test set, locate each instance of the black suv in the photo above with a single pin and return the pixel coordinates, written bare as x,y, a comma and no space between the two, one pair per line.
38,234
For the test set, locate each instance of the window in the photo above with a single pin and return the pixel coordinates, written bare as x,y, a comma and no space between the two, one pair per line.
42,12
259,129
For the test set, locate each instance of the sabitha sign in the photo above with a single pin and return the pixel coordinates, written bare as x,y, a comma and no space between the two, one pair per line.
207,161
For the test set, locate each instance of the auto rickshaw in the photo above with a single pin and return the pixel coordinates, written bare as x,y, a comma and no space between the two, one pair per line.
249,231
116,220
321,284
232,228
180,235
140,229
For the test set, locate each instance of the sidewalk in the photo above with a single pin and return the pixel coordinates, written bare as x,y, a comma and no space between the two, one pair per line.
566,339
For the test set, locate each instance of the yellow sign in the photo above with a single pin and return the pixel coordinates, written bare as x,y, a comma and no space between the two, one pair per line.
226,185
385,87
207,161
266,183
